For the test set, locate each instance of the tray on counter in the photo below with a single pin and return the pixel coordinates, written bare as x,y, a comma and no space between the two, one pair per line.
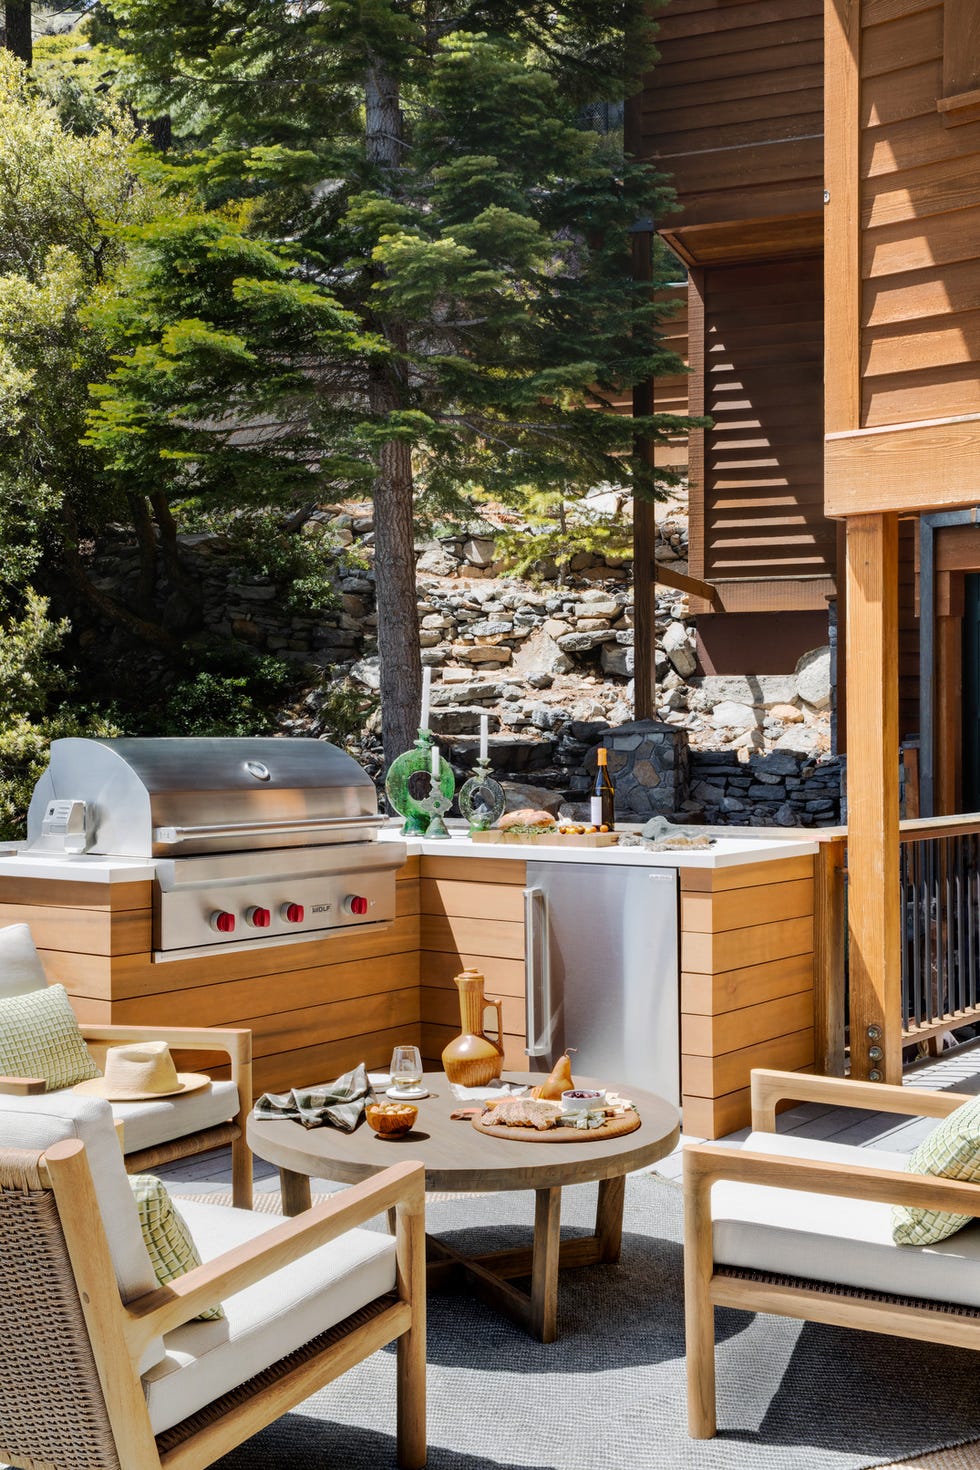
550,839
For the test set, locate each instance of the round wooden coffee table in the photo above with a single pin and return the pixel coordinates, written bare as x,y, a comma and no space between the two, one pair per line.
459,1159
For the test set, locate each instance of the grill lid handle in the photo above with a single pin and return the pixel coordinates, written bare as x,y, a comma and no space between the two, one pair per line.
172,836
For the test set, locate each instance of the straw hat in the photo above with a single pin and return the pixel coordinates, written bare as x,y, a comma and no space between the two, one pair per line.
141,1070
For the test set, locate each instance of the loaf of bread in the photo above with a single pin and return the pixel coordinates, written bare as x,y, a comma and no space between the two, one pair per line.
523,1112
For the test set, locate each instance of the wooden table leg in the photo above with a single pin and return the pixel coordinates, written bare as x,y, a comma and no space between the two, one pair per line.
609,1218
295,1191
544,1264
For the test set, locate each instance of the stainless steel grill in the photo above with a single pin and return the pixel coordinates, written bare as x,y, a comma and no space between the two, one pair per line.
253,842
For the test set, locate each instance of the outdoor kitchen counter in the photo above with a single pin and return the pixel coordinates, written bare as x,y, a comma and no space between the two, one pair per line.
750,963
751,968
726,853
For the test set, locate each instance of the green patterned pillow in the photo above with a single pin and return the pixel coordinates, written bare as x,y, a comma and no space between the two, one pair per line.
951,1151
39,1037
172,1251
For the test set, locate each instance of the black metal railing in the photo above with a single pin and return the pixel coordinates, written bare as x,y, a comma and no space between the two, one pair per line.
940,878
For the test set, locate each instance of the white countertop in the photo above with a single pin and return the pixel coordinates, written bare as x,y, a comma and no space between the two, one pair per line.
85,868
727,851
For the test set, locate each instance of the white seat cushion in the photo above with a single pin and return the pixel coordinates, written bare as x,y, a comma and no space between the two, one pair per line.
20,964
265,1322
829,1238
146,1124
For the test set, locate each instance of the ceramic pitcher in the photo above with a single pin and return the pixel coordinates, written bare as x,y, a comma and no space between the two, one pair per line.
472,1059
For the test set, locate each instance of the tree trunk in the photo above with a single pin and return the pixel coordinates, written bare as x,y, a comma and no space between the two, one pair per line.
17,29
146,541
399,650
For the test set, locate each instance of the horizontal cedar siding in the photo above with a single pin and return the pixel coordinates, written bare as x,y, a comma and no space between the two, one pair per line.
920,211
734,108
762,490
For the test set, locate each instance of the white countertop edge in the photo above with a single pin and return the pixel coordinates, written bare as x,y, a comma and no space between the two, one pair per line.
82,869
728,851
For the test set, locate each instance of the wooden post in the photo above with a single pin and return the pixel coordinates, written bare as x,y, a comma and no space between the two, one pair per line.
828,957
644,523
874,918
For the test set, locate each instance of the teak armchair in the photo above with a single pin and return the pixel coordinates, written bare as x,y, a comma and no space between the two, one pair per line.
71,1388
154,1133
767,1242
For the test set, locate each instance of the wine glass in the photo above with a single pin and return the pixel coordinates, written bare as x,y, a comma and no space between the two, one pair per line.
406,1069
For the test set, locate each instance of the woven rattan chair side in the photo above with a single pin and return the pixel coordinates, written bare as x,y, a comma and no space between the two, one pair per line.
52,1413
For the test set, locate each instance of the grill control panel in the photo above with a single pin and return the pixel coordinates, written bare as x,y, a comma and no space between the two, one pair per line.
269,910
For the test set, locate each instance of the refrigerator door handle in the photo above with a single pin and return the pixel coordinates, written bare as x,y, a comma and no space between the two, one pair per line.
537,972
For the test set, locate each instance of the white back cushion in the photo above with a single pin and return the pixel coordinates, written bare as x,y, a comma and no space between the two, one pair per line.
20,964
38,1122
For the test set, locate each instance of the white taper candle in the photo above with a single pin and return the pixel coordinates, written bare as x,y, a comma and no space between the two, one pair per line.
436,759
426,690
484,736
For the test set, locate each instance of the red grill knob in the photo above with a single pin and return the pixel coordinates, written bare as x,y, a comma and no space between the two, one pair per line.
222,922
258,918
354,904
293,913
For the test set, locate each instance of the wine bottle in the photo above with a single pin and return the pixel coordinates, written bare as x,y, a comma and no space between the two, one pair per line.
603,802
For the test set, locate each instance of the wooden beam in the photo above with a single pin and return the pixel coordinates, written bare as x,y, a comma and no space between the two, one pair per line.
874,915
949,711
903,467
667,577
842,258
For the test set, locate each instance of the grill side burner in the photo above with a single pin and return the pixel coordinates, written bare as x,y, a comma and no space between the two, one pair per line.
253,842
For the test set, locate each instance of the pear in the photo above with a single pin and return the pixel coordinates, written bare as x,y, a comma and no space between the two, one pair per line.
558,1082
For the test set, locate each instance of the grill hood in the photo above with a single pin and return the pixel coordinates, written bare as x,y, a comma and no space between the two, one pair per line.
174,797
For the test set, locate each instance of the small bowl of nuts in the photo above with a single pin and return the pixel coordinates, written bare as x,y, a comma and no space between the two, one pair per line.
391,1119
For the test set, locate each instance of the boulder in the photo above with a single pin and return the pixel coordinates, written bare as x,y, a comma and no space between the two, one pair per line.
813,678
617,659
585,642
436,562
678,645
478,551
790,714
460,720
540,654
802,738
729,715
368,672
481,653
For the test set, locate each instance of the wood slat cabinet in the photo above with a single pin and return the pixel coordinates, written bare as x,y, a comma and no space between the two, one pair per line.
316,1009
747,984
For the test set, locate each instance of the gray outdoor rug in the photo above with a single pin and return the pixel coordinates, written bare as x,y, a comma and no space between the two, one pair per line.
609,1394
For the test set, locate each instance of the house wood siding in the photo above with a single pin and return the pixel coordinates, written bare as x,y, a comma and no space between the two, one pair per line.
733,110
920,216
762,491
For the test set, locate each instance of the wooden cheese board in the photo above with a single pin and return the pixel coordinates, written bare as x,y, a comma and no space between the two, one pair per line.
612,1128
550,839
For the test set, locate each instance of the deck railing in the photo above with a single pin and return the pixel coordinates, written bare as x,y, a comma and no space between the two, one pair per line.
940,906
940,878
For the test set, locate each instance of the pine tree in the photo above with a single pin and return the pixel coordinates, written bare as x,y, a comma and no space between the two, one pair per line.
444,296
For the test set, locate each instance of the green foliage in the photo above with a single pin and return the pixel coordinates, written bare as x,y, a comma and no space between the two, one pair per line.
227,697
302,560
31,680
344,711
61,199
